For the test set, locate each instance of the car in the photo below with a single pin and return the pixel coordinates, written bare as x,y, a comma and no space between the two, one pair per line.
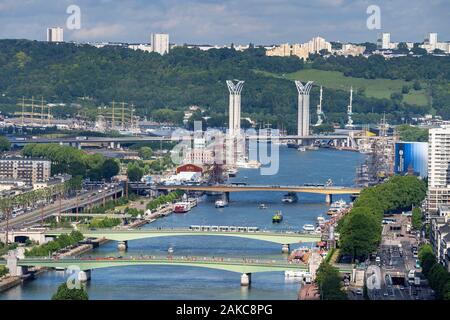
359,291
385,294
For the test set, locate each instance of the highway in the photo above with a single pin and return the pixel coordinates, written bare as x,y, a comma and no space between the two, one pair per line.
84,199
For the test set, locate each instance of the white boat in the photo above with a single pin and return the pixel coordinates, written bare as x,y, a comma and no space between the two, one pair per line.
320,220
220,203
309,227
262,206
170,250
301,149
291,197
340,204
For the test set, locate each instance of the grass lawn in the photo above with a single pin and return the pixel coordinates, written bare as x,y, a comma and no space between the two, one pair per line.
376,88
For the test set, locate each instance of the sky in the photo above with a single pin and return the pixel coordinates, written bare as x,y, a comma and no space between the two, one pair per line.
227,21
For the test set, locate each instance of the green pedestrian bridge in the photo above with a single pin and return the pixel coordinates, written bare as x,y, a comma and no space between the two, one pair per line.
126,235
228,264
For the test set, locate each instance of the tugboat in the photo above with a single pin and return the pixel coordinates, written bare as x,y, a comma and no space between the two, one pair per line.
291,197
278,217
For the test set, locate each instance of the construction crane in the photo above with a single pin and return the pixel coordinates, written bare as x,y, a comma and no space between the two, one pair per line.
320,114
350,110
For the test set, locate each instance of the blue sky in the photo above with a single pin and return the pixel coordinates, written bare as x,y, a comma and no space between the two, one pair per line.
223,22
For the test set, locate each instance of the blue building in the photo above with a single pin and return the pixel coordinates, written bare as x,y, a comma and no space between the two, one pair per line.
411,156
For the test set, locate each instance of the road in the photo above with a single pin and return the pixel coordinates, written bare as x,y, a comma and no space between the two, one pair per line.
396,260
83,199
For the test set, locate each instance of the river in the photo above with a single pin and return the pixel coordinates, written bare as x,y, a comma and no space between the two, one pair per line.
178,282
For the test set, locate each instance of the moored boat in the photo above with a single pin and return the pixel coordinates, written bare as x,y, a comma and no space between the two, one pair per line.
309,227
181,207
220,203
290,197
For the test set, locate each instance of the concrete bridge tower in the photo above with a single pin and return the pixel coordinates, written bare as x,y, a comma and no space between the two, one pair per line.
234,113
303,108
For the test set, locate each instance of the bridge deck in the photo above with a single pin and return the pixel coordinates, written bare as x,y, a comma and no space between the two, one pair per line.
227,264
126,235
246,188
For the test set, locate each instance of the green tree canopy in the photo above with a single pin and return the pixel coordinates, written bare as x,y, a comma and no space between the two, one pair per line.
64,293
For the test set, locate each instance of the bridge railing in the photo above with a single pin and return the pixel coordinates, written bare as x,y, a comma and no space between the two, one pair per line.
168,258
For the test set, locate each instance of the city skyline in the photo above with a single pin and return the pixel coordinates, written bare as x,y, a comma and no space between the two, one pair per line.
215,22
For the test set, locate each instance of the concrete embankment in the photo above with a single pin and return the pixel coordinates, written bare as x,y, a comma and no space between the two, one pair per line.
9,282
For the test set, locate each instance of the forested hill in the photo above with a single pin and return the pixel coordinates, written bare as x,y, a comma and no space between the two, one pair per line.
162,86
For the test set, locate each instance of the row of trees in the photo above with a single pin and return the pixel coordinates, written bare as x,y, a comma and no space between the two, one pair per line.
438,277
407,132
136,169
27,199
62,241
73,161
360,229
163,199
104,222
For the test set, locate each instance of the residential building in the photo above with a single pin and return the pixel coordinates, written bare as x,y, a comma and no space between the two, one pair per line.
438,168
55,34
431,43
160,43
140,46
26,169
384,42
440,237
315,45
349,49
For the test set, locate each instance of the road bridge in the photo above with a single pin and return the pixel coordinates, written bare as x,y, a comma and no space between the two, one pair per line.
123,236
227,188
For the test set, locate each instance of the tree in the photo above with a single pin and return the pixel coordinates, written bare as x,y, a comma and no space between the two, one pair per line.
110,168
329,282
417,219
64,293
405,89
145,153
5,145
134,172
417,85
361,233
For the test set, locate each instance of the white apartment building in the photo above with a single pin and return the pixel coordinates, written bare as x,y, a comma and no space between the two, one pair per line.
160,43
431,43
300,50
384,42
55,34
141,46
438,168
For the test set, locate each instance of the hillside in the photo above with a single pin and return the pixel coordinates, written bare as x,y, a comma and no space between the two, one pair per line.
163,86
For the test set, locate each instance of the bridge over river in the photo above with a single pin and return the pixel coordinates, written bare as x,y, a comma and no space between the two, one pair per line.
244,266
123,236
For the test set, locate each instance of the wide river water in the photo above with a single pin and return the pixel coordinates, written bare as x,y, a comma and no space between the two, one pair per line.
179,282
